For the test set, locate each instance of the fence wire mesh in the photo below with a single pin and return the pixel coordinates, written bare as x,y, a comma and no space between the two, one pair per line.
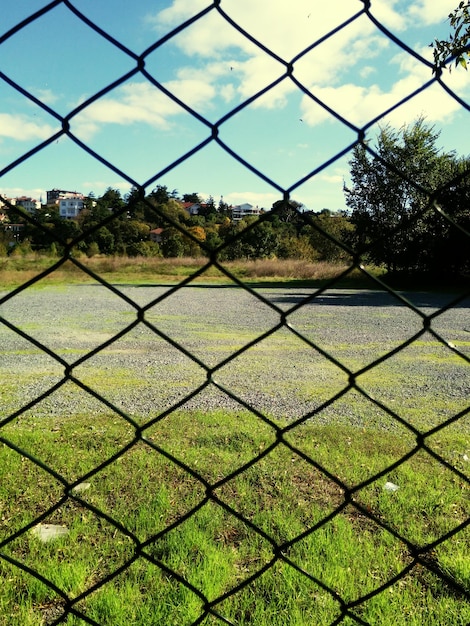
212,609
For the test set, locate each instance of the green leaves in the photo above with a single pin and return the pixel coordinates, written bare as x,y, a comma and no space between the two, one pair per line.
456,47
391,198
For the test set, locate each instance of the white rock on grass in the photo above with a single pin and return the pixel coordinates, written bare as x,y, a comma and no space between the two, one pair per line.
49,532
81,487
391,487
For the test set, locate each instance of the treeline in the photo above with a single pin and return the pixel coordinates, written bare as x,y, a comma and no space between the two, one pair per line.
408,210
116,225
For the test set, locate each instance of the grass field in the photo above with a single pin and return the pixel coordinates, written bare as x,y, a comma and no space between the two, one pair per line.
284,496
177,524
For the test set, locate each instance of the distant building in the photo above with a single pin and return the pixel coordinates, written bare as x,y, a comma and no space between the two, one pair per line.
13,228
70,203
69,208
12,232
193,208
29,204
244,210
156,235
55,195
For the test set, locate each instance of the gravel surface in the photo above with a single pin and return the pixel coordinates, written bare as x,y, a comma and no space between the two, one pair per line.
286,375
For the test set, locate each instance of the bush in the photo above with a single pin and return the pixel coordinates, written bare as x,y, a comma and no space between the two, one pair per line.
144,248
92,250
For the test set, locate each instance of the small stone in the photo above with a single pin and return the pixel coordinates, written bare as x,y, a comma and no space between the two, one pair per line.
391,487
81,487
466,457
49,532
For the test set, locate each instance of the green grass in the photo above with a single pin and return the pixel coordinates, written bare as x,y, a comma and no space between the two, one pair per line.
282,494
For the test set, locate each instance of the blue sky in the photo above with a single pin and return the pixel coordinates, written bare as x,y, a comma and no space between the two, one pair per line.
358,72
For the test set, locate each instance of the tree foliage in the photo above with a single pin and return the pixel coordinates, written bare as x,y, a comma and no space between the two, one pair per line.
456,47
395,189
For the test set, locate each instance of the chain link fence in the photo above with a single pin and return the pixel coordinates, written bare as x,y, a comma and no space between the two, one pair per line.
211,609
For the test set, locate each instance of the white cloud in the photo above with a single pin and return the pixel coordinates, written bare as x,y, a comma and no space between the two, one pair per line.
207,38
398,15
179,11
47,96
390,14
335,179
259,72
142,103
227,92
134,102
98,187
285,28
16,192
221,64
431,12
23,128
367,71
197,93
262,200
340,56
359,104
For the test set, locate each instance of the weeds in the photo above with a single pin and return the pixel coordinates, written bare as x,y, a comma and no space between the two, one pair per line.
134,270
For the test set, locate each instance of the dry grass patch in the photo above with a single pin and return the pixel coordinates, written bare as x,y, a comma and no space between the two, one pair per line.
16,271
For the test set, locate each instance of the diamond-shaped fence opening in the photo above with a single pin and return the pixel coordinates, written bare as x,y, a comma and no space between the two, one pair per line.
286,377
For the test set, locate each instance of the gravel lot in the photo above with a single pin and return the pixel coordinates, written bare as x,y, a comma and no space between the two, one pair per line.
282,376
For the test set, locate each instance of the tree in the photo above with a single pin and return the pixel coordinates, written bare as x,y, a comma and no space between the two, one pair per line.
104,239
223,208
213,239
136,205
160,194
50,228
230,233
144,248
111,200
456,47
191,247
283,212
260,242
208,208
337,225
191,197
173,243
92,250
390,196
450,251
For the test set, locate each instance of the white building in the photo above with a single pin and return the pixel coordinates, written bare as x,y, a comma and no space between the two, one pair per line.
55,195
29,204
71,205
244,210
